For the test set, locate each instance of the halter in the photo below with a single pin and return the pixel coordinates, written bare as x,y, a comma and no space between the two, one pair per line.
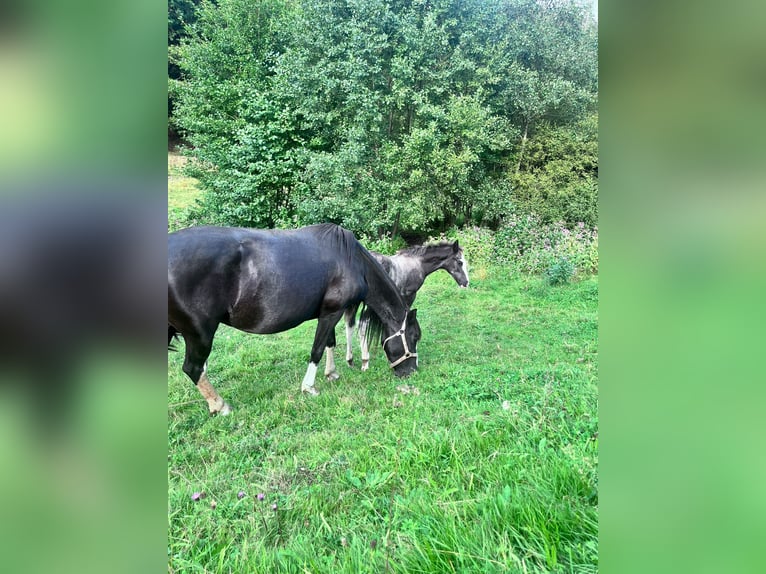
407,353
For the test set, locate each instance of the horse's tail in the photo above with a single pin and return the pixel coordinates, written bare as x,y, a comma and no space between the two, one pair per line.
350,315
172,334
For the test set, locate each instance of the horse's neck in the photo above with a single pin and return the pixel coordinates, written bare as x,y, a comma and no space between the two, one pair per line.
412,270
384,298
429,263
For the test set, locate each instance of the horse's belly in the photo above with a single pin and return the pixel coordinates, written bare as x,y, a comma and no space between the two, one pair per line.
274,315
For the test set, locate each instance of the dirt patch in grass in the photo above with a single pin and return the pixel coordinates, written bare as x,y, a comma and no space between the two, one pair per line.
183,191
176,162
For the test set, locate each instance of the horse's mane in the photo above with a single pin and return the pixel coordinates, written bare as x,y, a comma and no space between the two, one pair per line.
374,330
338,238
417,250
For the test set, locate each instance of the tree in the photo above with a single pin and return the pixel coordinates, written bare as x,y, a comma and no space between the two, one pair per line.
387,116
181,13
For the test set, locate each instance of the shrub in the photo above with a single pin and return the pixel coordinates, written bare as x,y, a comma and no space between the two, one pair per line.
385,245
527,245
477,243
560,271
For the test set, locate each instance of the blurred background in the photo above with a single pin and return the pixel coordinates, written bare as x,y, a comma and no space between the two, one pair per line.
82,225
682,209
83,148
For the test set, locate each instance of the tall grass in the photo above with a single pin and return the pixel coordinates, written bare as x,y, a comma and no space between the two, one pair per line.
485,460
183,192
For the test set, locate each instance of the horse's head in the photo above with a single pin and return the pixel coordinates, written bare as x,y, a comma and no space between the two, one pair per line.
401,345
456,266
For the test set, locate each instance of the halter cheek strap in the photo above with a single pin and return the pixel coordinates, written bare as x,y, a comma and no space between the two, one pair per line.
407,353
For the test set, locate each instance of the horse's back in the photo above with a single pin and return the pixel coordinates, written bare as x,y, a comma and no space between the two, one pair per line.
261,281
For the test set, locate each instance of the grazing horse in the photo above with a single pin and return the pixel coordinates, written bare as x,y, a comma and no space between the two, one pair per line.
268,281
408,269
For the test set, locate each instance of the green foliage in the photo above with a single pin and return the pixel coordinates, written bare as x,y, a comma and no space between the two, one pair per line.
524,243
558,175
385,245
390,117
560,271
181,13
491,466
477,244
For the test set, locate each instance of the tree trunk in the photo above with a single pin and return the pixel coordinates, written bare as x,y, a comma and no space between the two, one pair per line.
523,145
395,230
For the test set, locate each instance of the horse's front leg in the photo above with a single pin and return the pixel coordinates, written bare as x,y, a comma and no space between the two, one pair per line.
324,338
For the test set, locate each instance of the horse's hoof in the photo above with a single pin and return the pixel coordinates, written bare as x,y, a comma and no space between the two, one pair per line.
333,376
310,390
223,411
365,365
350,362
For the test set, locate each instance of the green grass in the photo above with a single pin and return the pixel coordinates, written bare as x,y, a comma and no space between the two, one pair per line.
490,467
183,191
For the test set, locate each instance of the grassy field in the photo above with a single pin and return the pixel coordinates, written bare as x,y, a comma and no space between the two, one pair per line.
182,190
485,460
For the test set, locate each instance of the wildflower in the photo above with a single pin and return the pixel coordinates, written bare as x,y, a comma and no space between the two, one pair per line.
197,495
241,494
261,496
274,506
213,504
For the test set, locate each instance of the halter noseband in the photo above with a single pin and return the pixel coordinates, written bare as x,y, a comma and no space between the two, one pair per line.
407,353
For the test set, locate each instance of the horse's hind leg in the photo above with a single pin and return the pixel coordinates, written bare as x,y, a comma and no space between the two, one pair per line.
363,323
195,366
329,367
350,316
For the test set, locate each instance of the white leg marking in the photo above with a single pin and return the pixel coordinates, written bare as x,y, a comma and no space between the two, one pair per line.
215,404
363,344
329,365
307,386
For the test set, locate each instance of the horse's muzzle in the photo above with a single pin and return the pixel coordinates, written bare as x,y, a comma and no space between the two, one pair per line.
406,368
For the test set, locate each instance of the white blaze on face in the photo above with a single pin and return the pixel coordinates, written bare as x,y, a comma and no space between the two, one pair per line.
465,268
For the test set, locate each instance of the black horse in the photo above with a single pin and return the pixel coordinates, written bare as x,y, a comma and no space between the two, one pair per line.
268,281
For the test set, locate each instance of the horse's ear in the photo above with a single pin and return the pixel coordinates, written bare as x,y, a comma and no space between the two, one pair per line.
455,247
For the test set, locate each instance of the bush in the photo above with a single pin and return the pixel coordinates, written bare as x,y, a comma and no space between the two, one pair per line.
385,245
527,245
476,242
560,272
